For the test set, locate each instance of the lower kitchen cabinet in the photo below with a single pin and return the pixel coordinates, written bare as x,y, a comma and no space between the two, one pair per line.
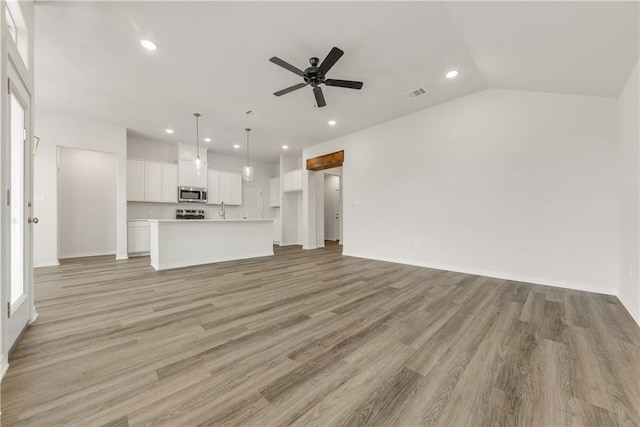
138,235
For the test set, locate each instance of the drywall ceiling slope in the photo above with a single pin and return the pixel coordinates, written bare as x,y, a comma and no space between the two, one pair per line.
581,48
213,58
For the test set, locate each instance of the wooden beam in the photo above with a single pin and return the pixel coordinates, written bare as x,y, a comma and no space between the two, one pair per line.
328,161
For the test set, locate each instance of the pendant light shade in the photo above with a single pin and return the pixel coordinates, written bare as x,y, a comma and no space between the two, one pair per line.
247,170
197,163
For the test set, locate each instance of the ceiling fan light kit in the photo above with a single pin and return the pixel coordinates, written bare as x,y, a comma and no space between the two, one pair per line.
315,75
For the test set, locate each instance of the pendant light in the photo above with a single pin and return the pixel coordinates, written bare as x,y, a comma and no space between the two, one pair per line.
197,163
247,170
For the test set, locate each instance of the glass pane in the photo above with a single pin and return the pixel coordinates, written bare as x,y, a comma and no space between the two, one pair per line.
17,199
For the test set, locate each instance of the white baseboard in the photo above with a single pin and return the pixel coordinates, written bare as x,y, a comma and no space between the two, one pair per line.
633,311
86,254
48,263
585,287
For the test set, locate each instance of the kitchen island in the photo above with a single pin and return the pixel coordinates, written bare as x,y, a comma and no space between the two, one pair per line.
179,243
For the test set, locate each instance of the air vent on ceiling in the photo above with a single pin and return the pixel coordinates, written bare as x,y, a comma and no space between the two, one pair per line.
417,92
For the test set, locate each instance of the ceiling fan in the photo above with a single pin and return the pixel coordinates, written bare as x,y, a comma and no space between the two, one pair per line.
316,75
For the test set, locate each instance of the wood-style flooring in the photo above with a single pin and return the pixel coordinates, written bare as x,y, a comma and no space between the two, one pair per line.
312,338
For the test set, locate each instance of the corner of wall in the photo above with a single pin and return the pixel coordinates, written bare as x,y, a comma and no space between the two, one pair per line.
634,311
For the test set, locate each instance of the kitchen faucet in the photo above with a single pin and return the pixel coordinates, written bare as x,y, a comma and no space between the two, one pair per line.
222,212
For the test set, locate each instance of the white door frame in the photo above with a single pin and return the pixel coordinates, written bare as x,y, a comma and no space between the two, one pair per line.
22,312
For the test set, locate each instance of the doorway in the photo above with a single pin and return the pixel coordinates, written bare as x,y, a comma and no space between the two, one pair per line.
86,203
332,208
20,291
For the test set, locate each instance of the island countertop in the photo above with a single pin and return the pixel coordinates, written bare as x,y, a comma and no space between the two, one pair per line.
185,242
209,220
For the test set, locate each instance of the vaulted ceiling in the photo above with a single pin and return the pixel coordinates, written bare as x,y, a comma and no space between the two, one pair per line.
213,58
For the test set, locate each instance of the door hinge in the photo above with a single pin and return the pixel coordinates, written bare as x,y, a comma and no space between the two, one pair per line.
8,310
9,86
8,197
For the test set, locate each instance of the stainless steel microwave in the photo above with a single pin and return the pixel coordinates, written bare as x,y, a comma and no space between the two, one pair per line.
192,195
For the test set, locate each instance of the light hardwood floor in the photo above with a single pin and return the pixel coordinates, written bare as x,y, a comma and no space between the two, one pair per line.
315,338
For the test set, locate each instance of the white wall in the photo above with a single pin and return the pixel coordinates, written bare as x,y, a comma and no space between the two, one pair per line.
291,205
87,196
628,114
60,130
146,149
501,183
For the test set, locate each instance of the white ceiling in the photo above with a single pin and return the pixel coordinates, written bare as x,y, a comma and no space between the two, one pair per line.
213,58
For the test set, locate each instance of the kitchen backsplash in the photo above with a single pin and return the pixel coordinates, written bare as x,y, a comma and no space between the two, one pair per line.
136,210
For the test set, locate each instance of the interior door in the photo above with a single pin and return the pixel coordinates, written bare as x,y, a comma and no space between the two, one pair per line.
336,205
20,298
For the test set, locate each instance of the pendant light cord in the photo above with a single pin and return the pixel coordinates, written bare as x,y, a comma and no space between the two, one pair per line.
197,135
248,130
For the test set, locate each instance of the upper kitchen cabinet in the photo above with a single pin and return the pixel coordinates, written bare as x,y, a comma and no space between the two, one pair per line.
170,183
274,192
187,176
224,187
231,188
152,182
292,181
135,181
213,187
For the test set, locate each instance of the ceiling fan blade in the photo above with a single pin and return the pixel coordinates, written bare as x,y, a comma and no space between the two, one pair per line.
330,61
317,91
286,65
289,89
344,83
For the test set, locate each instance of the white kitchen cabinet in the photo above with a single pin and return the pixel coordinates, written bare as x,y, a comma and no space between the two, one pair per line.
293,181
138,242
135,181
169,183
274,192
236,189
213,187
224,187
187,176
152,182
277,231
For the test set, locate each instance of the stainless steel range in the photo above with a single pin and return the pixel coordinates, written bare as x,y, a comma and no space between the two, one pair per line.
189,214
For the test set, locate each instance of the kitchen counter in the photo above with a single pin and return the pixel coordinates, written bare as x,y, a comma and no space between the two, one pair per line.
210,220
179,243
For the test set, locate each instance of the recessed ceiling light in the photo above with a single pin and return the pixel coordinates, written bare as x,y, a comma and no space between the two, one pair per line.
207,140
332,122
168,130
285,147
236,146
451,74
148,44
